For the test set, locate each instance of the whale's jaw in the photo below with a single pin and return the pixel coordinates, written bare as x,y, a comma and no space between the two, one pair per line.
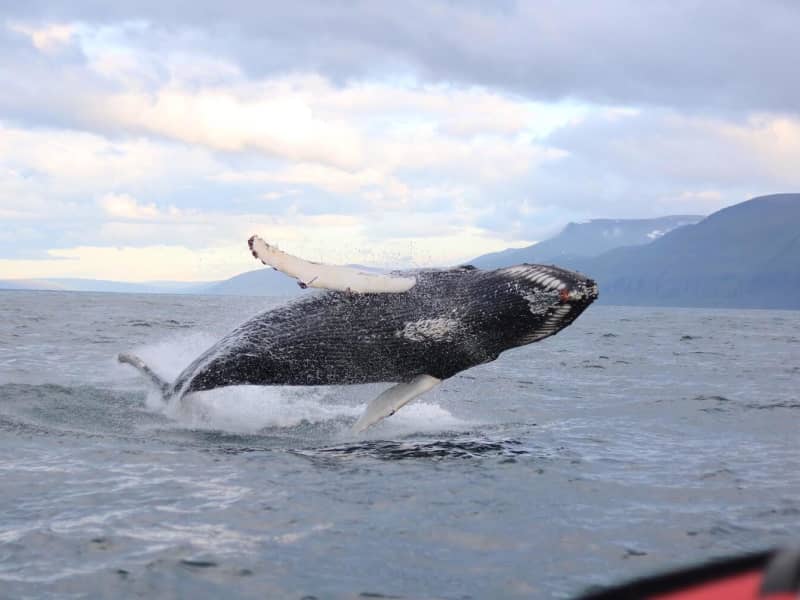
555,298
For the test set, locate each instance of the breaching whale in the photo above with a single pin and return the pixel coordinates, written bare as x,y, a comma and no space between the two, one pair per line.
413,329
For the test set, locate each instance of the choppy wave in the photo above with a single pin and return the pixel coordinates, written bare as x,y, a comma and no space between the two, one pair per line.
266,416
662,456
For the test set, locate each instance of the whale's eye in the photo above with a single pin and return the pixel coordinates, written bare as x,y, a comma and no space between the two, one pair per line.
563,295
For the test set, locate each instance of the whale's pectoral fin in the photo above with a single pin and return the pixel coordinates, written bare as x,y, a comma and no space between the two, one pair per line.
144,369
328,277
393,399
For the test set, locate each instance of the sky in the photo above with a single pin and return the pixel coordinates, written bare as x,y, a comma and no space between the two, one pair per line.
147,140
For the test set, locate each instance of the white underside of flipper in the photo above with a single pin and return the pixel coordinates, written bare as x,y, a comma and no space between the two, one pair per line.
393,399
328,277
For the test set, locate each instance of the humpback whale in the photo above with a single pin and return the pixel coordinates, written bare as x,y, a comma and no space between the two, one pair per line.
413,329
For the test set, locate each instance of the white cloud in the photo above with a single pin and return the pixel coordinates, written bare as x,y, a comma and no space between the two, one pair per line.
123,206
46,38
281,126
333,239
129,263
332,179
122,144
305,120
700,149
63,163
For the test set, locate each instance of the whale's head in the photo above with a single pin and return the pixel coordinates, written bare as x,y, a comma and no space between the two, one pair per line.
548,298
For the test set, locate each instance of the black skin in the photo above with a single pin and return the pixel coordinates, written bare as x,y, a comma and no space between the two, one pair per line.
449,321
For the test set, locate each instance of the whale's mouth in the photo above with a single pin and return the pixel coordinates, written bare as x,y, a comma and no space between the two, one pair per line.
585,292
561,296
569,286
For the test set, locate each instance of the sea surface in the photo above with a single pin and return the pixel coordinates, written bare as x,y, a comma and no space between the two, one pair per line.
635,440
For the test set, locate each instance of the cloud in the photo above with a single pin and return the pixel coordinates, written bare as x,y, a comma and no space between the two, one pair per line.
683,54
134,130
367,136
666,146
128,263
651,163
47,38
123,206
334,239
63,163
280,126
252,139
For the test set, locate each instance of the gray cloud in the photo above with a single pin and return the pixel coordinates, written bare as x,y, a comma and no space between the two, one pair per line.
659,162
704,56
668,147
697,77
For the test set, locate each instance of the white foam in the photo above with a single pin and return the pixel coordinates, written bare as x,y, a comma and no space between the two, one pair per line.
417,417
171,356
249,409
167,358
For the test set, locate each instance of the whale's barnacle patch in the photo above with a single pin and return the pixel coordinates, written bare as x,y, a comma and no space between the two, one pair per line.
440,329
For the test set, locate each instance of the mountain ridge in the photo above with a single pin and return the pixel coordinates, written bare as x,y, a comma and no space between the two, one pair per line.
589,238
742,256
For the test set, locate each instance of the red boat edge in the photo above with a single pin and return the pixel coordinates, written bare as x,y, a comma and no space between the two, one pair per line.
769,575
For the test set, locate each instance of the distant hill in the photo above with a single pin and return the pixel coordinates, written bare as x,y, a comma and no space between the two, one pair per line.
28,284
587,239
745,256
260,282
102,285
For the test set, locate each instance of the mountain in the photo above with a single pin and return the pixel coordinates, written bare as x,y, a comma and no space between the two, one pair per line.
102,285
28,284
587,239
744,256
260,282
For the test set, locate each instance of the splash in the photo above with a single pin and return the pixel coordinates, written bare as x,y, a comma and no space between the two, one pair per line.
418,417
170,356
253,409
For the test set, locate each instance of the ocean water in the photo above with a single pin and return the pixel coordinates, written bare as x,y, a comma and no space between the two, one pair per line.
635,440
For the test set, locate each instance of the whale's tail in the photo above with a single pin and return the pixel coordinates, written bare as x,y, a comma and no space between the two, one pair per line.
142,367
